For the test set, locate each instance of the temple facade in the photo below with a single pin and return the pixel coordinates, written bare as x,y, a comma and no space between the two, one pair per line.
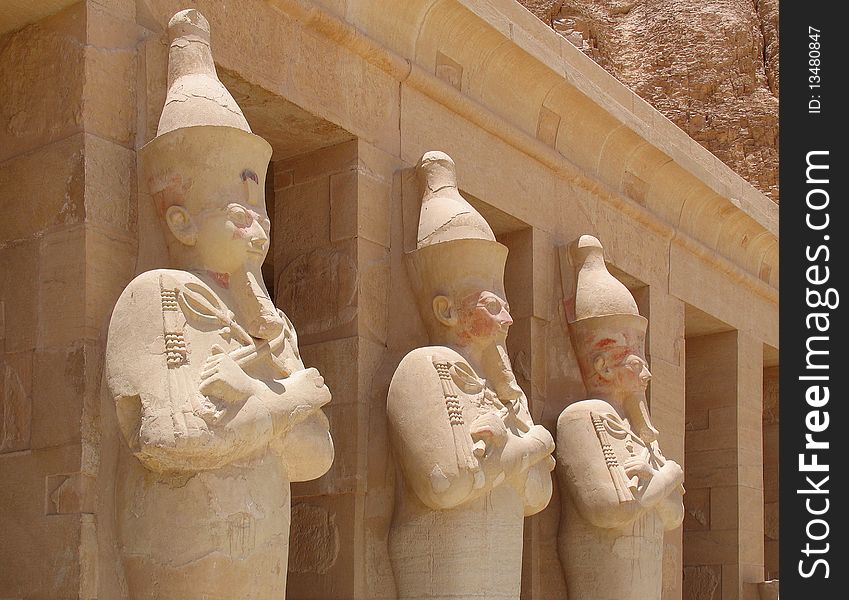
350,95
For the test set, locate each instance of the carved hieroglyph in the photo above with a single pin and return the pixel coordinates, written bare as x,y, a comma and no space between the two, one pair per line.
472,462
213,401
619,492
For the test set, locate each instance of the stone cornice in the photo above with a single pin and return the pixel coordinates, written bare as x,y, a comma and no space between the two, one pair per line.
496,65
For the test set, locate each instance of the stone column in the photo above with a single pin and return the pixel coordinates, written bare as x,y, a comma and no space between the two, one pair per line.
723,527
528,282
67,247
665,353
770,433
331,262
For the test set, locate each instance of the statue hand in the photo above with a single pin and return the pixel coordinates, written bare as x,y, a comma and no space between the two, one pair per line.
306,387
637,465
223,378
305,394
543,436
490,428
676,473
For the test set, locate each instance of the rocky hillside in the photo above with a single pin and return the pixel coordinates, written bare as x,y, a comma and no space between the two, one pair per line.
711,66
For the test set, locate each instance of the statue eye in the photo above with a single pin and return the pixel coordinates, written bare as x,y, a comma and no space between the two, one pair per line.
493,306
239,215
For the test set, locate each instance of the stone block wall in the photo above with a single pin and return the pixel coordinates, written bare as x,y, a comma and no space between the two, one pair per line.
67,246
770,441
331,239
724,476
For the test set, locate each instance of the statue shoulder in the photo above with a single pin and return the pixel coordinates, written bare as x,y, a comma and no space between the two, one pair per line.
136,326
149,285
431,372
584,410
432,363
427,354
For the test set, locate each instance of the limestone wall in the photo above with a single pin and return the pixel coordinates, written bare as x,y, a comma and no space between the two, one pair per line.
350,94
67,190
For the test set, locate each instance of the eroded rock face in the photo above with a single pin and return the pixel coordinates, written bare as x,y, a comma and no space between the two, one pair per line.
701,583
711,66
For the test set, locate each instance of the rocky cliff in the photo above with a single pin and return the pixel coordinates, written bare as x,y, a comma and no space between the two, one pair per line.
711,66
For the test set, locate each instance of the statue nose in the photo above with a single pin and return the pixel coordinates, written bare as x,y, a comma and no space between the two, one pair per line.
258,237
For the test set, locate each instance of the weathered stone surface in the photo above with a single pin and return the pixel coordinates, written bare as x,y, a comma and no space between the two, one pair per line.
18,295
70,493
35,203
61,271
770,409
15,400
702,583
771,470
47,541
313,540
697,509
710,67
41,81
58,401
110,63
110,185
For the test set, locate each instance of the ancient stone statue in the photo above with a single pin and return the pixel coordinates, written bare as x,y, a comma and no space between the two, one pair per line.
619,492
472,463
217,410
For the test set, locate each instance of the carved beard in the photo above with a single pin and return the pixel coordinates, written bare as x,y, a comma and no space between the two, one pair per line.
499,372
255,307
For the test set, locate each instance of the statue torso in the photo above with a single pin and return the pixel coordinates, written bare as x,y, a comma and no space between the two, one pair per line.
600,563
472,550
202,524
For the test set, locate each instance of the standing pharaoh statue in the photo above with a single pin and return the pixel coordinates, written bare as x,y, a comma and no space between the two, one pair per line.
218,413
619,492
472,464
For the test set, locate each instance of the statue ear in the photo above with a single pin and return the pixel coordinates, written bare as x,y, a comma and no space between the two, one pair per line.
443,310
181,225
601,366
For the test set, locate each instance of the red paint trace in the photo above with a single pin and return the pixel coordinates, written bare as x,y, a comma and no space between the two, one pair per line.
605,343
222,279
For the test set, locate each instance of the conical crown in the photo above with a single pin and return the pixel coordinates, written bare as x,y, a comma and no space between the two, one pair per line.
445,214
598,292
204,153
606,315
455,245
195,94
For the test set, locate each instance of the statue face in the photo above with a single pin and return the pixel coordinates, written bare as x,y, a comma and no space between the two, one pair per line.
632,374
231,237
482,318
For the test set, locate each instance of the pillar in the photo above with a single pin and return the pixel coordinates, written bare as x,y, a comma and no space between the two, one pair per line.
724,524
330,238
770,445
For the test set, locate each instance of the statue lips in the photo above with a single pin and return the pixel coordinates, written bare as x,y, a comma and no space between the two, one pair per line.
258,245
